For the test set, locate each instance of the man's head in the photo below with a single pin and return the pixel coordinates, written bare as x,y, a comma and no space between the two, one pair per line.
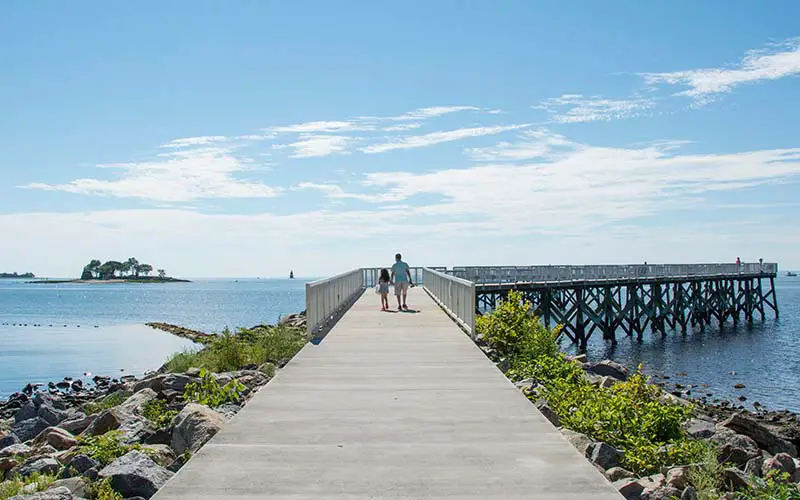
398,257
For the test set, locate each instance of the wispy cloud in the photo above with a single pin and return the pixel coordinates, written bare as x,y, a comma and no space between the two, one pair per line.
774,62
430,112
180,176
577,108
400,128
316,145
194,141
541,143
323,126
336,192
421,141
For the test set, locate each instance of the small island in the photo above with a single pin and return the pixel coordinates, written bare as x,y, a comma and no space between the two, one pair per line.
16,275
114,271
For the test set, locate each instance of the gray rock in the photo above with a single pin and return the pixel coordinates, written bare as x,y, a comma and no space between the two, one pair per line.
753,467
580,358
92,474
548,412
661,493
700,429
607,381
610,369
27,411
628,488
135,474
56,437
44,399
604,455
193,426
30,428
77,423
176,382
78,486
228,410
155,383
58,493
41,465
8,440
678,477
743,424
107,420
781,462
82,463
735,478
15,449
578,440
735,448
617,473
51,415
133,405
689,494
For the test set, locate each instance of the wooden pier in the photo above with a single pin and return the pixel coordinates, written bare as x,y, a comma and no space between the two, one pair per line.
634,298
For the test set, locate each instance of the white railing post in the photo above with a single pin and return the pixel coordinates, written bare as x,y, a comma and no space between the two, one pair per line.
455,295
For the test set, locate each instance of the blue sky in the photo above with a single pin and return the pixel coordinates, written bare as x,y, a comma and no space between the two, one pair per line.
248,138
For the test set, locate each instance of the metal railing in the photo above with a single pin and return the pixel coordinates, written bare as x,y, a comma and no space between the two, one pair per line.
510,274
327,297
417,275
455,295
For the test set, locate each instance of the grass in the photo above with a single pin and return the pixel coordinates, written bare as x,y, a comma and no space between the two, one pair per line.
105,448
15,486
233,351
110,401
157,413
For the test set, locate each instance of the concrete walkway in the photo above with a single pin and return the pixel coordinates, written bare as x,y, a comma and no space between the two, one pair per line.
389,405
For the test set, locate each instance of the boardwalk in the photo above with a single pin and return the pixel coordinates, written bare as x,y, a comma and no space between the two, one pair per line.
389,405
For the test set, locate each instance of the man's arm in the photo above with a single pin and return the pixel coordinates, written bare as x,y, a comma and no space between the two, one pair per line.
408,272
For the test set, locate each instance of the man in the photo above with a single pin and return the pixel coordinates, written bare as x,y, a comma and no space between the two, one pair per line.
401,276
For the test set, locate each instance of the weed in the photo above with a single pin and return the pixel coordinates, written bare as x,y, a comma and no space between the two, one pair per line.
157,413
18,486
208,391
110,401
102,490
105,448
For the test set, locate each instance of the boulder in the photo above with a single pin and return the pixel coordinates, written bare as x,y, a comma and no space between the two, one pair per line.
735,478
743,424
652,482
30,428
161,454
754,467
689,494
578,440
133,405
607,382
45,399
735,448
700,429
580,358
15,449
8,440
176,382
82,463
628,488
52,415
661,493
77,423
78,486
548,412
782,462
6,464
27,411
610,368
617,473
678,477
58,493
107,420
57,438
135,474
604,455
41,465
193,426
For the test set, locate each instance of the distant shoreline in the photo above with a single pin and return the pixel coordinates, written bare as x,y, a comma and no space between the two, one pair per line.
111,281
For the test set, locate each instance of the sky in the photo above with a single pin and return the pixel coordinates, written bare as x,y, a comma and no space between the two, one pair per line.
250,138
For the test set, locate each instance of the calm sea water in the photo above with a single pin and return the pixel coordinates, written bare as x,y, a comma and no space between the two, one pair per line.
99,328
765,356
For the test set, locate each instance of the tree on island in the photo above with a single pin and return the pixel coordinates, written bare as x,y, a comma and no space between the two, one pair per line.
109,269
162,273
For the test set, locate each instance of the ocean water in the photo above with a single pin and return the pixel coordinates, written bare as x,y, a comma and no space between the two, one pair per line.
765,356
99,328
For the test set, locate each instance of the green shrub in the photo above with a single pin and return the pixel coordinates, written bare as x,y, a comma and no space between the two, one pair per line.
515,333
775,486
208,391
15,486
233,351
157,413
102,490
110,401
105,448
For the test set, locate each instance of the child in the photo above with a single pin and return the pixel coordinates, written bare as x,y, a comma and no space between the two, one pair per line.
383,288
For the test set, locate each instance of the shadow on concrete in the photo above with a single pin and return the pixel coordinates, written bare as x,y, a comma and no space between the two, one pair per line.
319,335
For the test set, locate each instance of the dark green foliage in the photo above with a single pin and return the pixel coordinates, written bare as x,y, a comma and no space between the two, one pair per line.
208,391
15,486
110,401
105,448
157,413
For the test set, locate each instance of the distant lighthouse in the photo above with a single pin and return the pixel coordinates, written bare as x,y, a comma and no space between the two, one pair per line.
291,274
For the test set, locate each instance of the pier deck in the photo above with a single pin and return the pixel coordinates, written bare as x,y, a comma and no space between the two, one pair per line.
389,405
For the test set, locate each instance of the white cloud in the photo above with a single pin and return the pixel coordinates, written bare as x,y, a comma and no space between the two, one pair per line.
540,143
178,176
420,141
336,192
194,141
430,112
322,126
777,61
576,108
310,145
405,126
